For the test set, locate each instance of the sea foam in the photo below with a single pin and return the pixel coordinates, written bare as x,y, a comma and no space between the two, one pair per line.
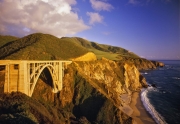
156,116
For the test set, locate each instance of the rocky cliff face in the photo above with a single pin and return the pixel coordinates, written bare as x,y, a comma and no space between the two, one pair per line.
158,64
142,64
91,90
91,94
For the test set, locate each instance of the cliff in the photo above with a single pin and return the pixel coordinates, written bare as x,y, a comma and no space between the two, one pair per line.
141,63
158,64
91,94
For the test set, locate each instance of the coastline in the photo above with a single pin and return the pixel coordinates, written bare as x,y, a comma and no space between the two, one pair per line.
140,115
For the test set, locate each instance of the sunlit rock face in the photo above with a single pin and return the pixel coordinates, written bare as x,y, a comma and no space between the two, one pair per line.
86,57
143,64
132,78
109,78
91,88
158,64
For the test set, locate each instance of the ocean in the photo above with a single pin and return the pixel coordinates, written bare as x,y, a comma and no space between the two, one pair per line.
163,100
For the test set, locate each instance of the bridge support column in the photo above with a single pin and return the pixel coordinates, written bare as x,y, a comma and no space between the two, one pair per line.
7,79
23,78
61,75
58,67
16,78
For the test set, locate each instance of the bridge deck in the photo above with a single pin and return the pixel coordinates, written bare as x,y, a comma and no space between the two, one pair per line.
2,62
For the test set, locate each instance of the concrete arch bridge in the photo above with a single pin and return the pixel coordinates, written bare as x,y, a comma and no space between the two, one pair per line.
22,75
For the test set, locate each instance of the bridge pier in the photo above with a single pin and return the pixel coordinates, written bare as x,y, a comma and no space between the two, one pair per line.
22,75
16,77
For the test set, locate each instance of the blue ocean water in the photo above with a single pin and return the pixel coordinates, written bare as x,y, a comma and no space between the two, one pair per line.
163,102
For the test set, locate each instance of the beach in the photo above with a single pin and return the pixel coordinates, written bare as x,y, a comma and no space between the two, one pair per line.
140,115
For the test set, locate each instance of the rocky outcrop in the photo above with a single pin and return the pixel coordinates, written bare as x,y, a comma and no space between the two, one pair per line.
158,64
134,81
142,64
86,57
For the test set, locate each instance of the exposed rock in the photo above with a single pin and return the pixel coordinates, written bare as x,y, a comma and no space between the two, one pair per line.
143,81
91,94
143,64
153,85
158,64
86,57
133,78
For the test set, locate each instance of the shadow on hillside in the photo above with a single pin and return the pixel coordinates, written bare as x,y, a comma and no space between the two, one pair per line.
89,108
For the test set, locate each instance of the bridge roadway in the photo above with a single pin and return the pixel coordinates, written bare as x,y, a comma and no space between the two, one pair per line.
22,75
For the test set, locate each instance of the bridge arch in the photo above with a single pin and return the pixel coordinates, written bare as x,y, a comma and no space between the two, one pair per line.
37,72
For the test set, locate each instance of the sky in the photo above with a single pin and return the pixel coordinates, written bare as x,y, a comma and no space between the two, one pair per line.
149,28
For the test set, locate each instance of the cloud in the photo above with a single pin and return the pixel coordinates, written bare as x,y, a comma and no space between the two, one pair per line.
94,18
100,5
23,17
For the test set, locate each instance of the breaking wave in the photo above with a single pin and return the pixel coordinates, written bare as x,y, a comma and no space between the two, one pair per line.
144,73
156,116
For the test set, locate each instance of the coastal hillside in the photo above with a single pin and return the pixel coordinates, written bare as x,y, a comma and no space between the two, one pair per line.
103,50
97,85
41,47
47,47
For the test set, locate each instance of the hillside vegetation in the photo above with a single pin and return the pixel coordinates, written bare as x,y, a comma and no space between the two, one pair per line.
40,46
6,39
102,50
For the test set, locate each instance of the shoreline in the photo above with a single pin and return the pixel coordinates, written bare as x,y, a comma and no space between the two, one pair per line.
140,114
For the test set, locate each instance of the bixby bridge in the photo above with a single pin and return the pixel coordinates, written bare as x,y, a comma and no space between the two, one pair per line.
22,75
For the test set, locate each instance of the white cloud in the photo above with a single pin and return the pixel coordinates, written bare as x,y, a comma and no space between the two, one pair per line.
94,18
22,17
100,5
